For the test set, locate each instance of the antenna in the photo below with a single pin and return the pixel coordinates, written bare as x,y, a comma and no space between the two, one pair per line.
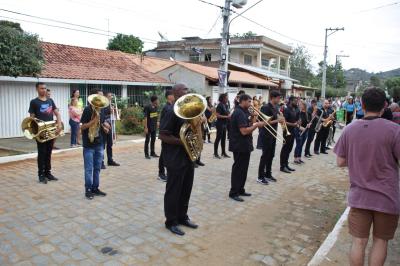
163,38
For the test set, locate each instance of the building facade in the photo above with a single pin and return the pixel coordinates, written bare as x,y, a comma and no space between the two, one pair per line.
68,68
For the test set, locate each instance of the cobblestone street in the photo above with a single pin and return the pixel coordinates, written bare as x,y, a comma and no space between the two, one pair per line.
281,224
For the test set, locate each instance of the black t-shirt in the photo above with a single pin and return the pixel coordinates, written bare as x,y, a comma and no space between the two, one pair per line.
238,142
85,118
269,110
174,156
290,114
208,113
222,110
43,110
387,114
311,118
151,113
303,118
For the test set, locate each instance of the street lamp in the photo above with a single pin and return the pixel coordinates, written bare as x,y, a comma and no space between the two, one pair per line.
336,63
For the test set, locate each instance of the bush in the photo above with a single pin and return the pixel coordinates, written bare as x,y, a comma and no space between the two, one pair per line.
131,121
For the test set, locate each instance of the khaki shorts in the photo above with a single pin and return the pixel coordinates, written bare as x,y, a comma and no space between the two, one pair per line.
384,224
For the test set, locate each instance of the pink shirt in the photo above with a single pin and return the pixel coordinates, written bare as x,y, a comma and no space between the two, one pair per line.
372,151
75,113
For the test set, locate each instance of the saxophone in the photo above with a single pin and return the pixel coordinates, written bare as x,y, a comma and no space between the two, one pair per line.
191,108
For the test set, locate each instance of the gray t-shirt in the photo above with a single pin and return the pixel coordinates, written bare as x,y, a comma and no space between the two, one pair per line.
372,151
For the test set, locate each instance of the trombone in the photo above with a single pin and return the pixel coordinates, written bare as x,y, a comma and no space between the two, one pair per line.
264,118
114,117
284,125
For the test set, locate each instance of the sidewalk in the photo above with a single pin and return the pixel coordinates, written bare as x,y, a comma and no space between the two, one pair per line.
15,146
339,253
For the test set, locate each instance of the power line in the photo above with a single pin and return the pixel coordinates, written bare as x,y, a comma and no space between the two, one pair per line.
62,27
378,7
215,24
103,5
263,26
68,23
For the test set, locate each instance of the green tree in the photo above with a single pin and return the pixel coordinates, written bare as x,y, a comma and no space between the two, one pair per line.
334,75
20,52
393,87
300,66
126,43
245,35
375,81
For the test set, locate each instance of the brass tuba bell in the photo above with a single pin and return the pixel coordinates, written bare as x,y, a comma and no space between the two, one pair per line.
191,107
42,131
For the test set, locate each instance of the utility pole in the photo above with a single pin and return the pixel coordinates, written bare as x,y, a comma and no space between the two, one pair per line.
333,30
223,73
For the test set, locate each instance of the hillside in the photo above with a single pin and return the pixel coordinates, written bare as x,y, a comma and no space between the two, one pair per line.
359,74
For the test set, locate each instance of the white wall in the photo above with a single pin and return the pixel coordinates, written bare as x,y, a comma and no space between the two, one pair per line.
193,80
14,104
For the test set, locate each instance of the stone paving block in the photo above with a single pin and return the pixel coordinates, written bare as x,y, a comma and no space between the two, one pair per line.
77,255
46,248
59,257
135,240
41,260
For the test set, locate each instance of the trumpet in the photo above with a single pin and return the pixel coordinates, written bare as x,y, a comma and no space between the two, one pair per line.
284,125
114,117
264,118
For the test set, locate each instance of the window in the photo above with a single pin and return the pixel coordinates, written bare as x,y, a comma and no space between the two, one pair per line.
265,62
283,64
248,59
207,57
86,89
194,57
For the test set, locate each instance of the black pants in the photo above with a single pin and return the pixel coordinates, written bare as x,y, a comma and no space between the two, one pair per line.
349,117
320,141
161,167
177,194
206,132
310,138
150,137
240,167
221,137
108,143
268,153
44,157
286,149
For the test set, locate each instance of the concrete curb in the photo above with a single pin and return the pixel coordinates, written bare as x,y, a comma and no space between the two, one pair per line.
330,240
20,157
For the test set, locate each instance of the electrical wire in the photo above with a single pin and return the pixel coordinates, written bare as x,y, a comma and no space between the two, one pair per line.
68,23
378,7
215,24
66,28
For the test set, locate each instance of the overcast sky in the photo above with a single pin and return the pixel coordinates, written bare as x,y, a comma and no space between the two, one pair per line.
371,37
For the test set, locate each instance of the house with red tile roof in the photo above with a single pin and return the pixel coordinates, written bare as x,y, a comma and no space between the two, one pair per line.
67,68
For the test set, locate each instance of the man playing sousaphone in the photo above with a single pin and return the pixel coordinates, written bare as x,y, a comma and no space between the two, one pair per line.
44,109
180,168
93,126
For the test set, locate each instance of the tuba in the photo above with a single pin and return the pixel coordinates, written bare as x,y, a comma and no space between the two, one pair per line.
42,131
191,108
97,102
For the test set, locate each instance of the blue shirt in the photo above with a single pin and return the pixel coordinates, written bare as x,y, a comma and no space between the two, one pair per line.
349,107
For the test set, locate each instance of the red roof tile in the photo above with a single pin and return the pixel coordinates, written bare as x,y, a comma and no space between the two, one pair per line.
73,62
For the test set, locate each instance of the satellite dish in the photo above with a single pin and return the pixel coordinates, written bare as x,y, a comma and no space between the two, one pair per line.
239,3
163,38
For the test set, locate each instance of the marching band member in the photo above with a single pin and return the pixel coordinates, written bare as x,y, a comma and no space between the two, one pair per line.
223,116
150,126
300,131
180,169
266,142
241,144
290,114
168,105
312,115
108,138
44,108
322,135
208,113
